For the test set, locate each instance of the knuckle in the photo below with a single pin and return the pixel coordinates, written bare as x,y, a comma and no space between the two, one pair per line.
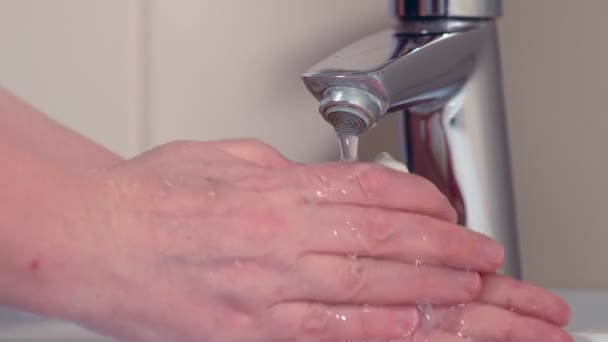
377,229
267,152
259,144
454,320
372,180
316,319
354,278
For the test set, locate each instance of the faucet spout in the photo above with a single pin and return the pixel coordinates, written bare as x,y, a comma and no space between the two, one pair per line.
441,75
391,70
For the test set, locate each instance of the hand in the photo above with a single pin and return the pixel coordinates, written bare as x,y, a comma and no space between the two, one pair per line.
229,241
506,311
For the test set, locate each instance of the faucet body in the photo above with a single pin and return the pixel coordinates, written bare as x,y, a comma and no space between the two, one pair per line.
439,70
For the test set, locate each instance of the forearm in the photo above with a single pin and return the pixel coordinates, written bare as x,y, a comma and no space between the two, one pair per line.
22,124
44,172
38,205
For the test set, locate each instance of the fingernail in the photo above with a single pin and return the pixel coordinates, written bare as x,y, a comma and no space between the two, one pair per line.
492,251
561,336
471,282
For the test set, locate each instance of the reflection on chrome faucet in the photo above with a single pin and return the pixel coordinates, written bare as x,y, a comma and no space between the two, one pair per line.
439,70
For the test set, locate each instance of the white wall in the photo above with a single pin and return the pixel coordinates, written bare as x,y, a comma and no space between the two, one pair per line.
134,73
74,60
556,77
232,68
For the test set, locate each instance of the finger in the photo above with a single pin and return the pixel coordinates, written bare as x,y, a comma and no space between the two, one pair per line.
370,185
377,233
253,151
343,280
305,322
491,323
437,336
524,298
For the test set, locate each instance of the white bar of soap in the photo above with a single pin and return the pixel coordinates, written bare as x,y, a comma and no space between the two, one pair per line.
386,160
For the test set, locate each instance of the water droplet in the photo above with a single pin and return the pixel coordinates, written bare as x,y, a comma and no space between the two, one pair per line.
419,263
320,194
427,313
323,180
335,233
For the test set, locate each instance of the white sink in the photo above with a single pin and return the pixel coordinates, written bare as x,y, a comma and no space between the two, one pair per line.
589,322
20,327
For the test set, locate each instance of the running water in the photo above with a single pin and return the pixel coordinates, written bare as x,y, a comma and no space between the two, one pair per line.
349,147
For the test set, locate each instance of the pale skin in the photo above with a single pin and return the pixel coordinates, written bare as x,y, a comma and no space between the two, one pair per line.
229,241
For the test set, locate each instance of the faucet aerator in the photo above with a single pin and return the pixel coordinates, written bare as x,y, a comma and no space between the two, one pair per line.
351,110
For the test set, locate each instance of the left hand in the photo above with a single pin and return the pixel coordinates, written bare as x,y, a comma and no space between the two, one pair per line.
507,310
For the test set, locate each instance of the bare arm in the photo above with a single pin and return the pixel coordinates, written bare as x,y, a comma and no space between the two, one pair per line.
190,240
40,165
22,124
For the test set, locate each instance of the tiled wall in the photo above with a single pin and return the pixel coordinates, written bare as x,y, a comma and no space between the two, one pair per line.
132,74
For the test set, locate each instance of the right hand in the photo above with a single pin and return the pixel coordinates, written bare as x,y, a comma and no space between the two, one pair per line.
507,310
229,241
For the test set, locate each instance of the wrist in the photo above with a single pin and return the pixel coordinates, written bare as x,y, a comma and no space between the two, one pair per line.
46,247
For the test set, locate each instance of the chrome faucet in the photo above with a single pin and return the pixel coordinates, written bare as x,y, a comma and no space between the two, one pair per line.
439,70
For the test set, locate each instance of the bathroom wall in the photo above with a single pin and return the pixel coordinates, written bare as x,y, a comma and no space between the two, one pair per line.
132,74
77,61
556,79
